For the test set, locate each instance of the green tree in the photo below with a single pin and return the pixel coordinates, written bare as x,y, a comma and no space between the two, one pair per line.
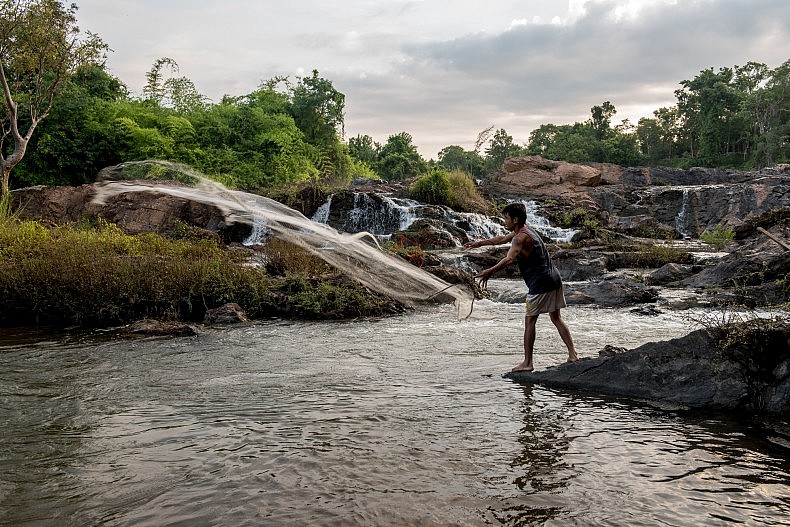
500,148
363,148
40,50
454,157
399,159
76,140
174,92
318,110
713,97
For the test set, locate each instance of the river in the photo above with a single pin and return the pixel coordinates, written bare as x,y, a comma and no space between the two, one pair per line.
404,420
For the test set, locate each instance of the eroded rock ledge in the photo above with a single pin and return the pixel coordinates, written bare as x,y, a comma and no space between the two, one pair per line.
693,371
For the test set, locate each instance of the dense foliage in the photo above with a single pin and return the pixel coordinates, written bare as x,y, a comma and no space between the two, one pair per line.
291,131
99,275
737,117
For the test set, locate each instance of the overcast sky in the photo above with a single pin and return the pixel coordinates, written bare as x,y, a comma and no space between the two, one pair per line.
442,70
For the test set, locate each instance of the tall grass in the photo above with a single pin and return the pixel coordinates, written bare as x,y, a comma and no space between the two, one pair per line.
455,189
98,275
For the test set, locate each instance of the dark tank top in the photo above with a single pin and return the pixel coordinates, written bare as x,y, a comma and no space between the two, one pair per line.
537,269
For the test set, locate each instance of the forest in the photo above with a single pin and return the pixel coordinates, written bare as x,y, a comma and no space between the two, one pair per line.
65,117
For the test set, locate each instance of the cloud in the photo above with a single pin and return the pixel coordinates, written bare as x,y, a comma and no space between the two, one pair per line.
532,74
444,72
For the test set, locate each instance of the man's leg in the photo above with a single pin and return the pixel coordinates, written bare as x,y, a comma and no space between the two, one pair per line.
529,343
565,334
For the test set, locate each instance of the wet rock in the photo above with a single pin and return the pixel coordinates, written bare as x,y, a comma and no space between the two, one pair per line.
163,328
231,313
692,371
614,292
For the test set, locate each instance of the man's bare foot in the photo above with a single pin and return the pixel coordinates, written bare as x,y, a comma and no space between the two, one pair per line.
573,358
523,367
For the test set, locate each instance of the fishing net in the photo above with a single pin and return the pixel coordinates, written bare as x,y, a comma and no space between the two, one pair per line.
357,255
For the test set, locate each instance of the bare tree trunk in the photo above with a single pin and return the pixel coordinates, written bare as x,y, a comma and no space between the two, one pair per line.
6,174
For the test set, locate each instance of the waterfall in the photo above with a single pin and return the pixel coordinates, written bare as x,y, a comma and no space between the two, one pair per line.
380,218
322,214
386,215
259,231
542,225
681,220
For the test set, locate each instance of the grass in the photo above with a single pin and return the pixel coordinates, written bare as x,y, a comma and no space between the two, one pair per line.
94,274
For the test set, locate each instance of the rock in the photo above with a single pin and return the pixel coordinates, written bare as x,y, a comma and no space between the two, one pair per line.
430,234
533,176
231,313
135,212
691,371
160,328
758,263
671,272
611,351
579,265
615,292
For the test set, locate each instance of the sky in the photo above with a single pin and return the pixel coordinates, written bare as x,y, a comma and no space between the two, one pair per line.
445,71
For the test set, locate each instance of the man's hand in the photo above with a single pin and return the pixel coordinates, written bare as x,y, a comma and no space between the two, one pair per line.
471,245
483,277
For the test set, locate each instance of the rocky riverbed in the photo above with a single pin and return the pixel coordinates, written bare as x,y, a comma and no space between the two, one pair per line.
647,227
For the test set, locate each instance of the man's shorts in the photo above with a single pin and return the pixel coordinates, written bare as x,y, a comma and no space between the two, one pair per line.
545,302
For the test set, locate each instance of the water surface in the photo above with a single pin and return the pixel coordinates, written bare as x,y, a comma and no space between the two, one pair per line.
398,421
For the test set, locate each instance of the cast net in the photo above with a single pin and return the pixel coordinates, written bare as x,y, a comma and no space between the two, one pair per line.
357,255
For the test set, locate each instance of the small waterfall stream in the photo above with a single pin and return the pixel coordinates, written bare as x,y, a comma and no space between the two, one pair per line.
386,215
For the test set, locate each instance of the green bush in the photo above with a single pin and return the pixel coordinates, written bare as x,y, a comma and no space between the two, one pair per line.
718,237
464,196
433,187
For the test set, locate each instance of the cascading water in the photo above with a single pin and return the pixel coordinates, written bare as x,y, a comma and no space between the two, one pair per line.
542,225
681,220
386,215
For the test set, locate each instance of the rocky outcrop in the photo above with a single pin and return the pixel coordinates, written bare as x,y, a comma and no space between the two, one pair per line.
631,200
534,177
694,371
135,212
756,271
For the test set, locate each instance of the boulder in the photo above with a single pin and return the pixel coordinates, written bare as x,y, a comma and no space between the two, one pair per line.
162,328
231,313
533,177
692,371
135,212
671,272
614,292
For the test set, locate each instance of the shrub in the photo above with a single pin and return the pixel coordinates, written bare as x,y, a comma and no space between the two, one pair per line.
433,187
718,237
464,196
102,276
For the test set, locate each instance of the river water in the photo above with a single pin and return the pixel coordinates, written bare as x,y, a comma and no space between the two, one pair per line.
397,421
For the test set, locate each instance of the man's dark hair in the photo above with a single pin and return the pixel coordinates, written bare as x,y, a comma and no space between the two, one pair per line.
516,211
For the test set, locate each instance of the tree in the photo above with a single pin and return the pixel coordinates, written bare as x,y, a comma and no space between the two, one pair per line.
399,159
601,120
500,148
174,92
40,50
77,139
454,157
363,148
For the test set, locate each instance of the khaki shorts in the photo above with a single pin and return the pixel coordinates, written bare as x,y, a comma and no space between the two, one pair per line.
545,302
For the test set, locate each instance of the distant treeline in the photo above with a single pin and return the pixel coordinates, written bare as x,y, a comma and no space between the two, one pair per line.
290,131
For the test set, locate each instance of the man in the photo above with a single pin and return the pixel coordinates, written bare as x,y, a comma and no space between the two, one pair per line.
545,293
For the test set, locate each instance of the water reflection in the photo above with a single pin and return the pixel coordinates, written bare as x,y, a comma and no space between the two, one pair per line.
541,468
392,422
